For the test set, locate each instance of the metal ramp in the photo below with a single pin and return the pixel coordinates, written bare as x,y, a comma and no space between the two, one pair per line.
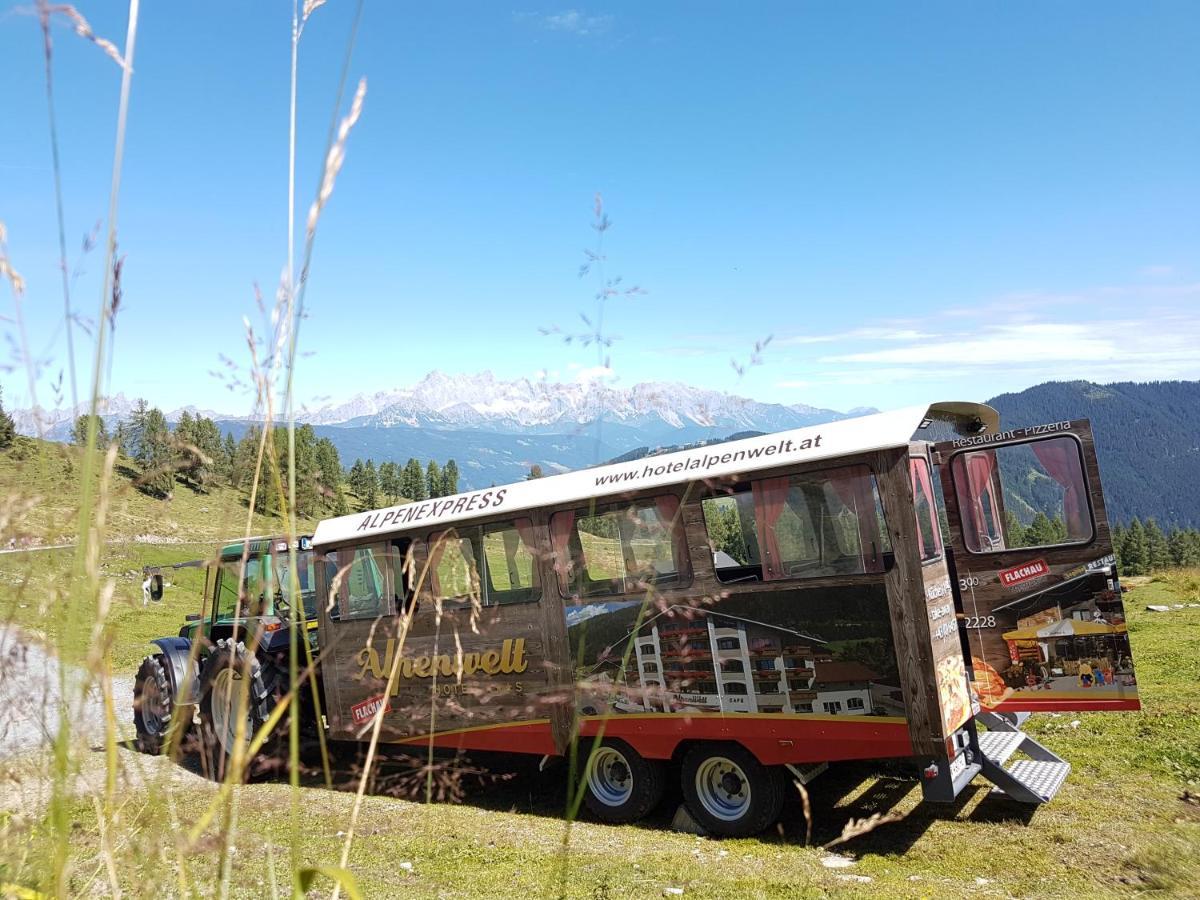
1034,780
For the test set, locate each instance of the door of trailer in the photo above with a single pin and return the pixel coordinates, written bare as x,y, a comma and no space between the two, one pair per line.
1034,569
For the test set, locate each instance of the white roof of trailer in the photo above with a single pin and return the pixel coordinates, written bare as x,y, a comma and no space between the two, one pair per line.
731,458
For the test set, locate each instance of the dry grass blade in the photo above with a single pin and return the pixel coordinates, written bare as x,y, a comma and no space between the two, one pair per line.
84,30
808,819
336,156
6,268
858,827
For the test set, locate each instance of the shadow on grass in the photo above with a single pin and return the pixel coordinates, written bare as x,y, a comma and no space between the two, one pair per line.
522,785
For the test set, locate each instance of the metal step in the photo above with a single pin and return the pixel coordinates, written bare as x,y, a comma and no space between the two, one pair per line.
998,746
1039,778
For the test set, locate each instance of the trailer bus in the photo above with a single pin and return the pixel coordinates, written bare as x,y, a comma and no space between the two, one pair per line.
910,584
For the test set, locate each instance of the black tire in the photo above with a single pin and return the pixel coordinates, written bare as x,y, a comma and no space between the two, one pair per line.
729,792
620,784
154,714
222,696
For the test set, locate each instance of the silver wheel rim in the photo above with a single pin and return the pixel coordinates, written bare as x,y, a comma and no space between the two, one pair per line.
609,777
225,699
723,789
153,708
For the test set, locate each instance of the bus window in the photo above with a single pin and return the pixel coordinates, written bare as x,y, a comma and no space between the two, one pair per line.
806,526
929,538
1022,495
454,566
360,582
509,556
620,549
505,553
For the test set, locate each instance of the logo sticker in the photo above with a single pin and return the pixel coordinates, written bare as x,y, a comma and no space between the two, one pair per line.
1024,572
362,713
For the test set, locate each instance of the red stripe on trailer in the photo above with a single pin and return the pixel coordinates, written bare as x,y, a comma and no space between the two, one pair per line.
1068,705
773,739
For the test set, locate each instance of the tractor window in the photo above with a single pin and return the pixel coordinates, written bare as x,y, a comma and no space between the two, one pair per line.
251,600
305,578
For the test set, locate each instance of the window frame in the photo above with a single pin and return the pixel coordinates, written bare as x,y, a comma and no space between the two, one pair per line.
477,533
1087,492
935,521
334,612
743,485
684,573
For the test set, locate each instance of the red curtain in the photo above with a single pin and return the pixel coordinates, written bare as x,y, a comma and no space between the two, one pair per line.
770,497
853,484
561,526
667,506
979,467
529,538
923,484
1060,459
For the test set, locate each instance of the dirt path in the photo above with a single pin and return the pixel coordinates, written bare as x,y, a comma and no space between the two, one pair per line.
31,700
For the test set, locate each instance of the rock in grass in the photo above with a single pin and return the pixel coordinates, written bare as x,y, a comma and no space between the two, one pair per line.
684,822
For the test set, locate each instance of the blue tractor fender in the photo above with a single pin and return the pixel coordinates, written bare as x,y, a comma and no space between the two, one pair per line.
183,669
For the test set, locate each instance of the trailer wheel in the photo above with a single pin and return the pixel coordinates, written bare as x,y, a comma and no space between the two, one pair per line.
622,786
154,707
231,690
729,792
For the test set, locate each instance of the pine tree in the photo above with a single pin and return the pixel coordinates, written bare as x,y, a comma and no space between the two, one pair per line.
79,431
228,454
450,478
389,481
137,429
155,454
433,480
1158,554
329,475
1134,551
412,481
1014,531
370,494
355,478
8,428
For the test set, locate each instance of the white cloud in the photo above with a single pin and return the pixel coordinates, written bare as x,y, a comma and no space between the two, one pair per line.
573,21
593,373
1158,271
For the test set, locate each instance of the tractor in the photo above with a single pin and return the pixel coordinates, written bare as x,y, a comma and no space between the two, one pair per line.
232,655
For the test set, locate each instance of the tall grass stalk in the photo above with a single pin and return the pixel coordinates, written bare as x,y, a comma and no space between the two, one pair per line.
47,51
85,582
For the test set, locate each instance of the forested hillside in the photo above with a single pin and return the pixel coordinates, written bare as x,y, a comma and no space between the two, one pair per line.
1147,438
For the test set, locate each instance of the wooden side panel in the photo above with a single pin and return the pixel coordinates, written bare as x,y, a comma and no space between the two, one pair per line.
909,607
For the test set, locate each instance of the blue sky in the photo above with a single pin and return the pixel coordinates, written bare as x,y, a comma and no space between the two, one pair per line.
917,200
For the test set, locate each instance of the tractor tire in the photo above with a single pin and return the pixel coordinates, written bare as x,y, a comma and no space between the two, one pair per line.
232,687
158,724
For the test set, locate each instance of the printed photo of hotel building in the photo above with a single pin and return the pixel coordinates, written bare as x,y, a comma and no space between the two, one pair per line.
688,659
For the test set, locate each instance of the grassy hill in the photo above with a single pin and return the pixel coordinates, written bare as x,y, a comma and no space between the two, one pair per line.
40,483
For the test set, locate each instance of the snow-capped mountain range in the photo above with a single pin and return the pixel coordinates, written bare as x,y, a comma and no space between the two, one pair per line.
484,401
497,429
